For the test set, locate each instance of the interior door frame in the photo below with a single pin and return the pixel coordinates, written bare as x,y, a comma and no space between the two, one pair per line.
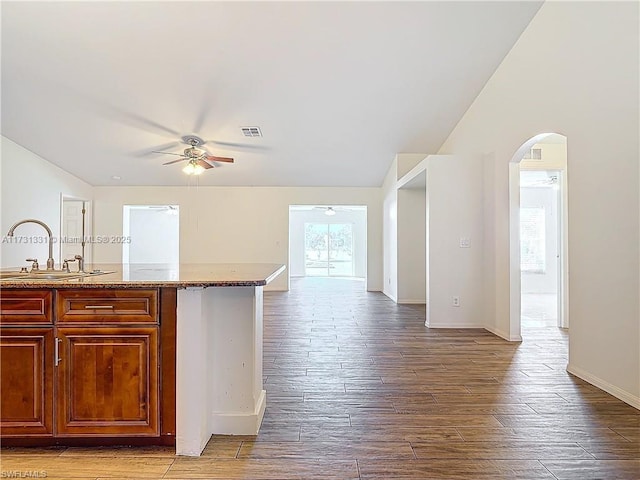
515,288
87,226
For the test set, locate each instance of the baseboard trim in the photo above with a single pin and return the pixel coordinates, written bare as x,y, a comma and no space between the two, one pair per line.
502,334
454,325
617,392
390,296
191,447
240,423
411,301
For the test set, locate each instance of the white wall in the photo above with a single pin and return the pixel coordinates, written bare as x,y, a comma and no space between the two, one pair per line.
412,245
566,76
455,189
406,162
356,218
547,198
390,232
426,213
31,187
554,157
237,224
154,235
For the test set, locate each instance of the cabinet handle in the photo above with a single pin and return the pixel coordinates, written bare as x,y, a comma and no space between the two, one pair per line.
57,359
98,307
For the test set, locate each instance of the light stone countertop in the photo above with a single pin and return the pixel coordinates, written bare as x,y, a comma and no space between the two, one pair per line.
160,275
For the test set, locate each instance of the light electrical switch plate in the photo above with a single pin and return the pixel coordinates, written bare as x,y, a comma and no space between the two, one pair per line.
465,242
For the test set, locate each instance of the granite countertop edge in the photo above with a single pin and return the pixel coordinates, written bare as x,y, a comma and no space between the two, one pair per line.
128,284
102,281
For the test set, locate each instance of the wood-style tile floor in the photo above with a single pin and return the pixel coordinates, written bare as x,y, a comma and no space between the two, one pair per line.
358,388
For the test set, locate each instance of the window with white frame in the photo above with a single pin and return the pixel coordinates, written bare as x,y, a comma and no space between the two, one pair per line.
532,240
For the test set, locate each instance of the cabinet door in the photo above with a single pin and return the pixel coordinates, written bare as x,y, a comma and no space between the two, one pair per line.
26,381
108,382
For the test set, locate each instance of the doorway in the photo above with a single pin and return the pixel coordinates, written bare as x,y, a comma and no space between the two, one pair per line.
538,235
540,241
328,241
151,234
75,228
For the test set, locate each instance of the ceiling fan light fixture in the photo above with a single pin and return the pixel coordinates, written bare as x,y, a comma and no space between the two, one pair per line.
330,211
192,168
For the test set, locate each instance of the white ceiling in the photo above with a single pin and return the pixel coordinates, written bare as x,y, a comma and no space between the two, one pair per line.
338,88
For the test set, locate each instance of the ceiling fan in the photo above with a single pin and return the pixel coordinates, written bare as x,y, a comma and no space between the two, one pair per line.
198,160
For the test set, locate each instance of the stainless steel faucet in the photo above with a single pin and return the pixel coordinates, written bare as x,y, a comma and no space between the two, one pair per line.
50,261
79,258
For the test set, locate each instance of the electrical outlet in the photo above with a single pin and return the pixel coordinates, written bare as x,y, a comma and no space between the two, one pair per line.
456,301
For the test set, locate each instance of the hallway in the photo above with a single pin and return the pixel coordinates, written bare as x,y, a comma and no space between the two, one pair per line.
358,388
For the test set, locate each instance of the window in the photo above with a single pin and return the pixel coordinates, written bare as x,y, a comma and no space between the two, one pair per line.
328,249
532,240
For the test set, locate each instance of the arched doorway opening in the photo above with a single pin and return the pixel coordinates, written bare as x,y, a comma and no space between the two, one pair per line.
538,234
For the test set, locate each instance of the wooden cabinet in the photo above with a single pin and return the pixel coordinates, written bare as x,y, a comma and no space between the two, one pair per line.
108,381
26,381
107,376
26,306
26,362
87,364
103,306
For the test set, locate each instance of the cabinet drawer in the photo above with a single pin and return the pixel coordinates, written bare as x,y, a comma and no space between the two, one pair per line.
93,305
25,306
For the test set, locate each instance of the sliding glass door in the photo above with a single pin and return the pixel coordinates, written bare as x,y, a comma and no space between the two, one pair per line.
328,250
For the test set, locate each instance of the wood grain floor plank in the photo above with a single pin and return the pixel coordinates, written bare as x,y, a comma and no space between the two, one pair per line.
559,420
72,467
571,434
262,469
32,451
327,449
380,433
501,450
455,469
119,452
427,420
611,449
630,433
594,469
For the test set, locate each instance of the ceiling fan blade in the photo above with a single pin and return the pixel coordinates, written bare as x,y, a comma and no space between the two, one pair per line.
241,146
213,158
202,114
175,161
132,119
169,153
156,149
204,164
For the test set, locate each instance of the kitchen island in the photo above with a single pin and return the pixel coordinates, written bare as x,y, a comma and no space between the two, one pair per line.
216,312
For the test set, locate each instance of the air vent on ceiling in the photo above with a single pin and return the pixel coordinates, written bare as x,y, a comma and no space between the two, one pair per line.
533,154
251,131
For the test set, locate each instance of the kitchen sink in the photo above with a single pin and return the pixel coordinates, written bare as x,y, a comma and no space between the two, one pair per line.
43,275
4,275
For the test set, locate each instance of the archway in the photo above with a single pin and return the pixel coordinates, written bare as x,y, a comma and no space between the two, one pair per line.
542,156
